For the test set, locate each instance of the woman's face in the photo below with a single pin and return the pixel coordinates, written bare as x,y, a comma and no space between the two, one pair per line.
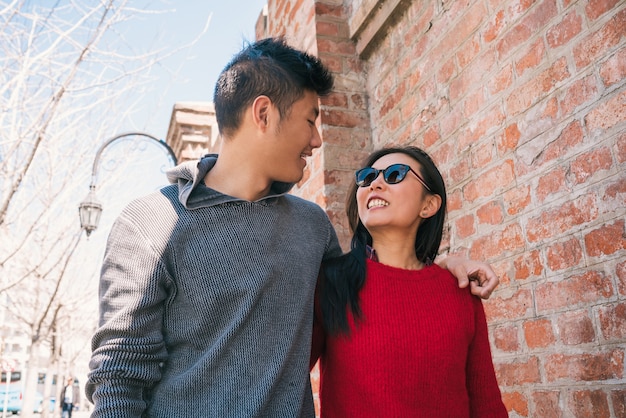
401,207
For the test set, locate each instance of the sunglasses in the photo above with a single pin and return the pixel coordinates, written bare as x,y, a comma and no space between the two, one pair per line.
393,174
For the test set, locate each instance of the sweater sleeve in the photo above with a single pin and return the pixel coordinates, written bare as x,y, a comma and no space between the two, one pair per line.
128,348
482,385
319,335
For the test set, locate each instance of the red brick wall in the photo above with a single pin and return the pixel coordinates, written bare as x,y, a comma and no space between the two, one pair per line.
523,106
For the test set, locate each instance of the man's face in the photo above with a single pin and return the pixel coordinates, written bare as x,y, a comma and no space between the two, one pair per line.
295,137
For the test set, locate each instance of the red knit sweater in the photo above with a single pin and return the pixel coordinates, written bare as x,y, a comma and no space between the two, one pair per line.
421,350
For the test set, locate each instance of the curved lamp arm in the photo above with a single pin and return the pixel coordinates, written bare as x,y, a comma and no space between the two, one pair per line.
90,209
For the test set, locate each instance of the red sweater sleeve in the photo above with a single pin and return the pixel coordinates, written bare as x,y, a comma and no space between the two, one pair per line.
482,385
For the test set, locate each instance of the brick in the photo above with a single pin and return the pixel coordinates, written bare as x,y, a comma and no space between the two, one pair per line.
536,88
563,255
556,221
615,195
517,199
519,305
393,122
532,58
472,19
613,70
546,151
455,200
384,86
393,99
538,333
346,119
465,226
613,322
531,24
580,92
618,398
596,8
326,28
335,99
336,47
550,183
587,367
608,114
498,243
451,121
494,26
620,148
431,136
446,72
589,163
527,265
589,403
564,31
333,62
597,44
492,120
459,171
518,372
486,184
515,37
546,404
490,213
608,239
358,102
501,81
472,103
515,402
510,139
575,328
468,51
590,286
505,338
473,75
620,272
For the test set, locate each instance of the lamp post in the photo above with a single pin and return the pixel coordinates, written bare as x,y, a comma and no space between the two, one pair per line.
90,209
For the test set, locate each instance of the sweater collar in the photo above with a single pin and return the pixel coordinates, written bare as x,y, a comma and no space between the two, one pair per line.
192,192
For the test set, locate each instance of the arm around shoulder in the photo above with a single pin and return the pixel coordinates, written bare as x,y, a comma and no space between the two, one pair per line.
479,275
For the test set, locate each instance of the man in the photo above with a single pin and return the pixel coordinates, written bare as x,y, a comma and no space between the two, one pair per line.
70,397
206,292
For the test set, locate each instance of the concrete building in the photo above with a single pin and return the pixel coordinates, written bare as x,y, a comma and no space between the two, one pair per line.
193,130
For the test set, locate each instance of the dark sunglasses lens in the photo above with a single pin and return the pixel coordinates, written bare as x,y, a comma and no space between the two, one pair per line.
366,176
395,174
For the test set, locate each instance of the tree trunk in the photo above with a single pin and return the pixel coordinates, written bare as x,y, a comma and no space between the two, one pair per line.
30,382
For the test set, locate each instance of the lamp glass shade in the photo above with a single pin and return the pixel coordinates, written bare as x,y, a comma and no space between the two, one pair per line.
89,211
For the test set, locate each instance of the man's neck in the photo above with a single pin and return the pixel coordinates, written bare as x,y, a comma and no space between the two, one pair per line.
236,176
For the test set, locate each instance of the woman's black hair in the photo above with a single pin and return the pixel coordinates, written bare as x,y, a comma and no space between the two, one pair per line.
343,277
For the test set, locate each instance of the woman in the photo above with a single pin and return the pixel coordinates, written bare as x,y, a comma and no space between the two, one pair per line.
396,335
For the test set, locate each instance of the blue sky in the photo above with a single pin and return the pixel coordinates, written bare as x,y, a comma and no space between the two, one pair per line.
231,23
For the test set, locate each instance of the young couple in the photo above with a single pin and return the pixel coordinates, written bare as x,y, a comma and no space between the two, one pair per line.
207,287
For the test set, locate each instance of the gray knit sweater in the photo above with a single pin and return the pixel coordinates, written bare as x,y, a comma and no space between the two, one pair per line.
206,303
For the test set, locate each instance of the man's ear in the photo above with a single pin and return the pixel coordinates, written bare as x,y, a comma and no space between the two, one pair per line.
261,111
431,205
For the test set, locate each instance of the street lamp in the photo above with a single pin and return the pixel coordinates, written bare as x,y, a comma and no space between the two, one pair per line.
90,209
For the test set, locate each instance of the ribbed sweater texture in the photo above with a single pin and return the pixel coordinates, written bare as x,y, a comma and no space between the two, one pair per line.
421,349
206,304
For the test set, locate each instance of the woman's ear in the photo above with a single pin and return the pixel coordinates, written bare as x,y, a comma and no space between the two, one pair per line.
431,205
261,111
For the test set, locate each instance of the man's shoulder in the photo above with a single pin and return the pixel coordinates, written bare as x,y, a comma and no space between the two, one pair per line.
303,203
